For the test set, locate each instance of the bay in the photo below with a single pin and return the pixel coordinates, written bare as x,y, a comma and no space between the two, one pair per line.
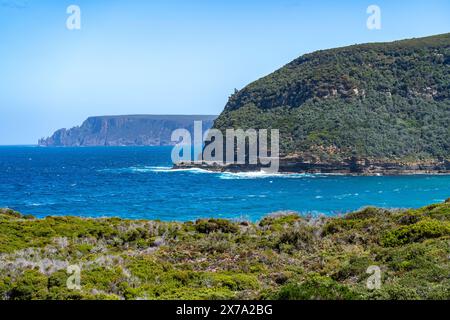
138,183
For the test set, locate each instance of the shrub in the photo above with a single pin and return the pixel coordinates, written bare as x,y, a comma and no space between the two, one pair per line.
336,225
409,219
236,281
299,238
393,292
424,229
366,213
215,225
316,288
279,220
32,285
10,213
355,267
5,286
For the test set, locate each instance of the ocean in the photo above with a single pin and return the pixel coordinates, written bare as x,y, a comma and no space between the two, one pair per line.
138,183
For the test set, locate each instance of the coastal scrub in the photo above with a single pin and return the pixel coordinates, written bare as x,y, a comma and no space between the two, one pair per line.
283,256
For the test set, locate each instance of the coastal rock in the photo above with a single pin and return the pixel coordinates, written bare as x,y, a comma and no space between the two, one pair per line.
128,130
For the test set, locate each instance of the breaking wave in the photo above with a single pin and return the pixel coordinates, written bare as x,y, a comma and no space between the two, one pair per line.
146,169
263,175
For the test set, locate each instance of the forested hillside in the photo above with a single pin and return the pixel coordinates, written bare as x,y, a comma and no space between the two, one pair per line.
383,101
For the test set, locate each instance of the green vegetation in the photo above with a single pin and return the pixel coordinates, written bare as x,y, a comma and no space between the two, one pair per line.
381,101
283,256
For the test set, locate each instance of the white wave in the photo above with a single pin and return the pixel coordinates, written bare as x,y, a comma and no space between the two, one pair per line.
222,175
39,204
146,169
171,170
262,175
192,170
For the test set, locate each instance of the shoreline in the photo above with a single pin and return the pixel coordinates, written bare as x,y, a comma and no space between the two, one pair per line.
278,257
275,214
278,214
236,169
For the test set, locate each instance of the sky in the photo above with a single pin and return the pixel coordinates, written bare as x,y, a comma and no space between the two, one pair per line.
169,56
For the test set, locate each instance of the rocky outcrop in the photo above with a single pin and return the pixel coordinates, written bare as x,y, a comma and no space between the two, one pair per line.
128,130
352,166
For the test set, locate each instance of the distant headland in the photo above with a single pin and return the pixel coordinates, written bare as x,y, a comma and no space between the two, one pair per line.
125,130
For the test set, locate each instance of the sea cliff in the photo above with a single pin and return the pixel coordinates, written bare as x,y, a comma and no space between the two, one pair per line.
127,130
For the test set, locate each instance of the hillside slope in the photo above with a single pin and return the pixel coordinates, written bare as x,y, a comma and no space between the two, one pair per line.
283,256
128,130
369,103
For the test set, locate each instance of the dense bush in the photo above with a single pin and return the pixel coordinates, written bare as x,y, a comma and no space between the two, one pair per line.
31,285
424,229
215,225
316,288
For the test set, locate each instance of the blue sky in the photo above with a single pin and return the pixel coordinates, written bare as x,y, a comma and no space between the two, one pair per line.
171,56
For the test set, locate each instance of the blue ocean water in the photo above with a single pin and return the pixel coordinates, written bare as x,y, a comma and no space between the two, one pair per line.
137,182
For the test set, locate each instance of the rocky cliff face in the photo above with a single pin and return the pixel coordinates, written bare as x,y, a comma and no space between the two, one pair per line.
130,130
